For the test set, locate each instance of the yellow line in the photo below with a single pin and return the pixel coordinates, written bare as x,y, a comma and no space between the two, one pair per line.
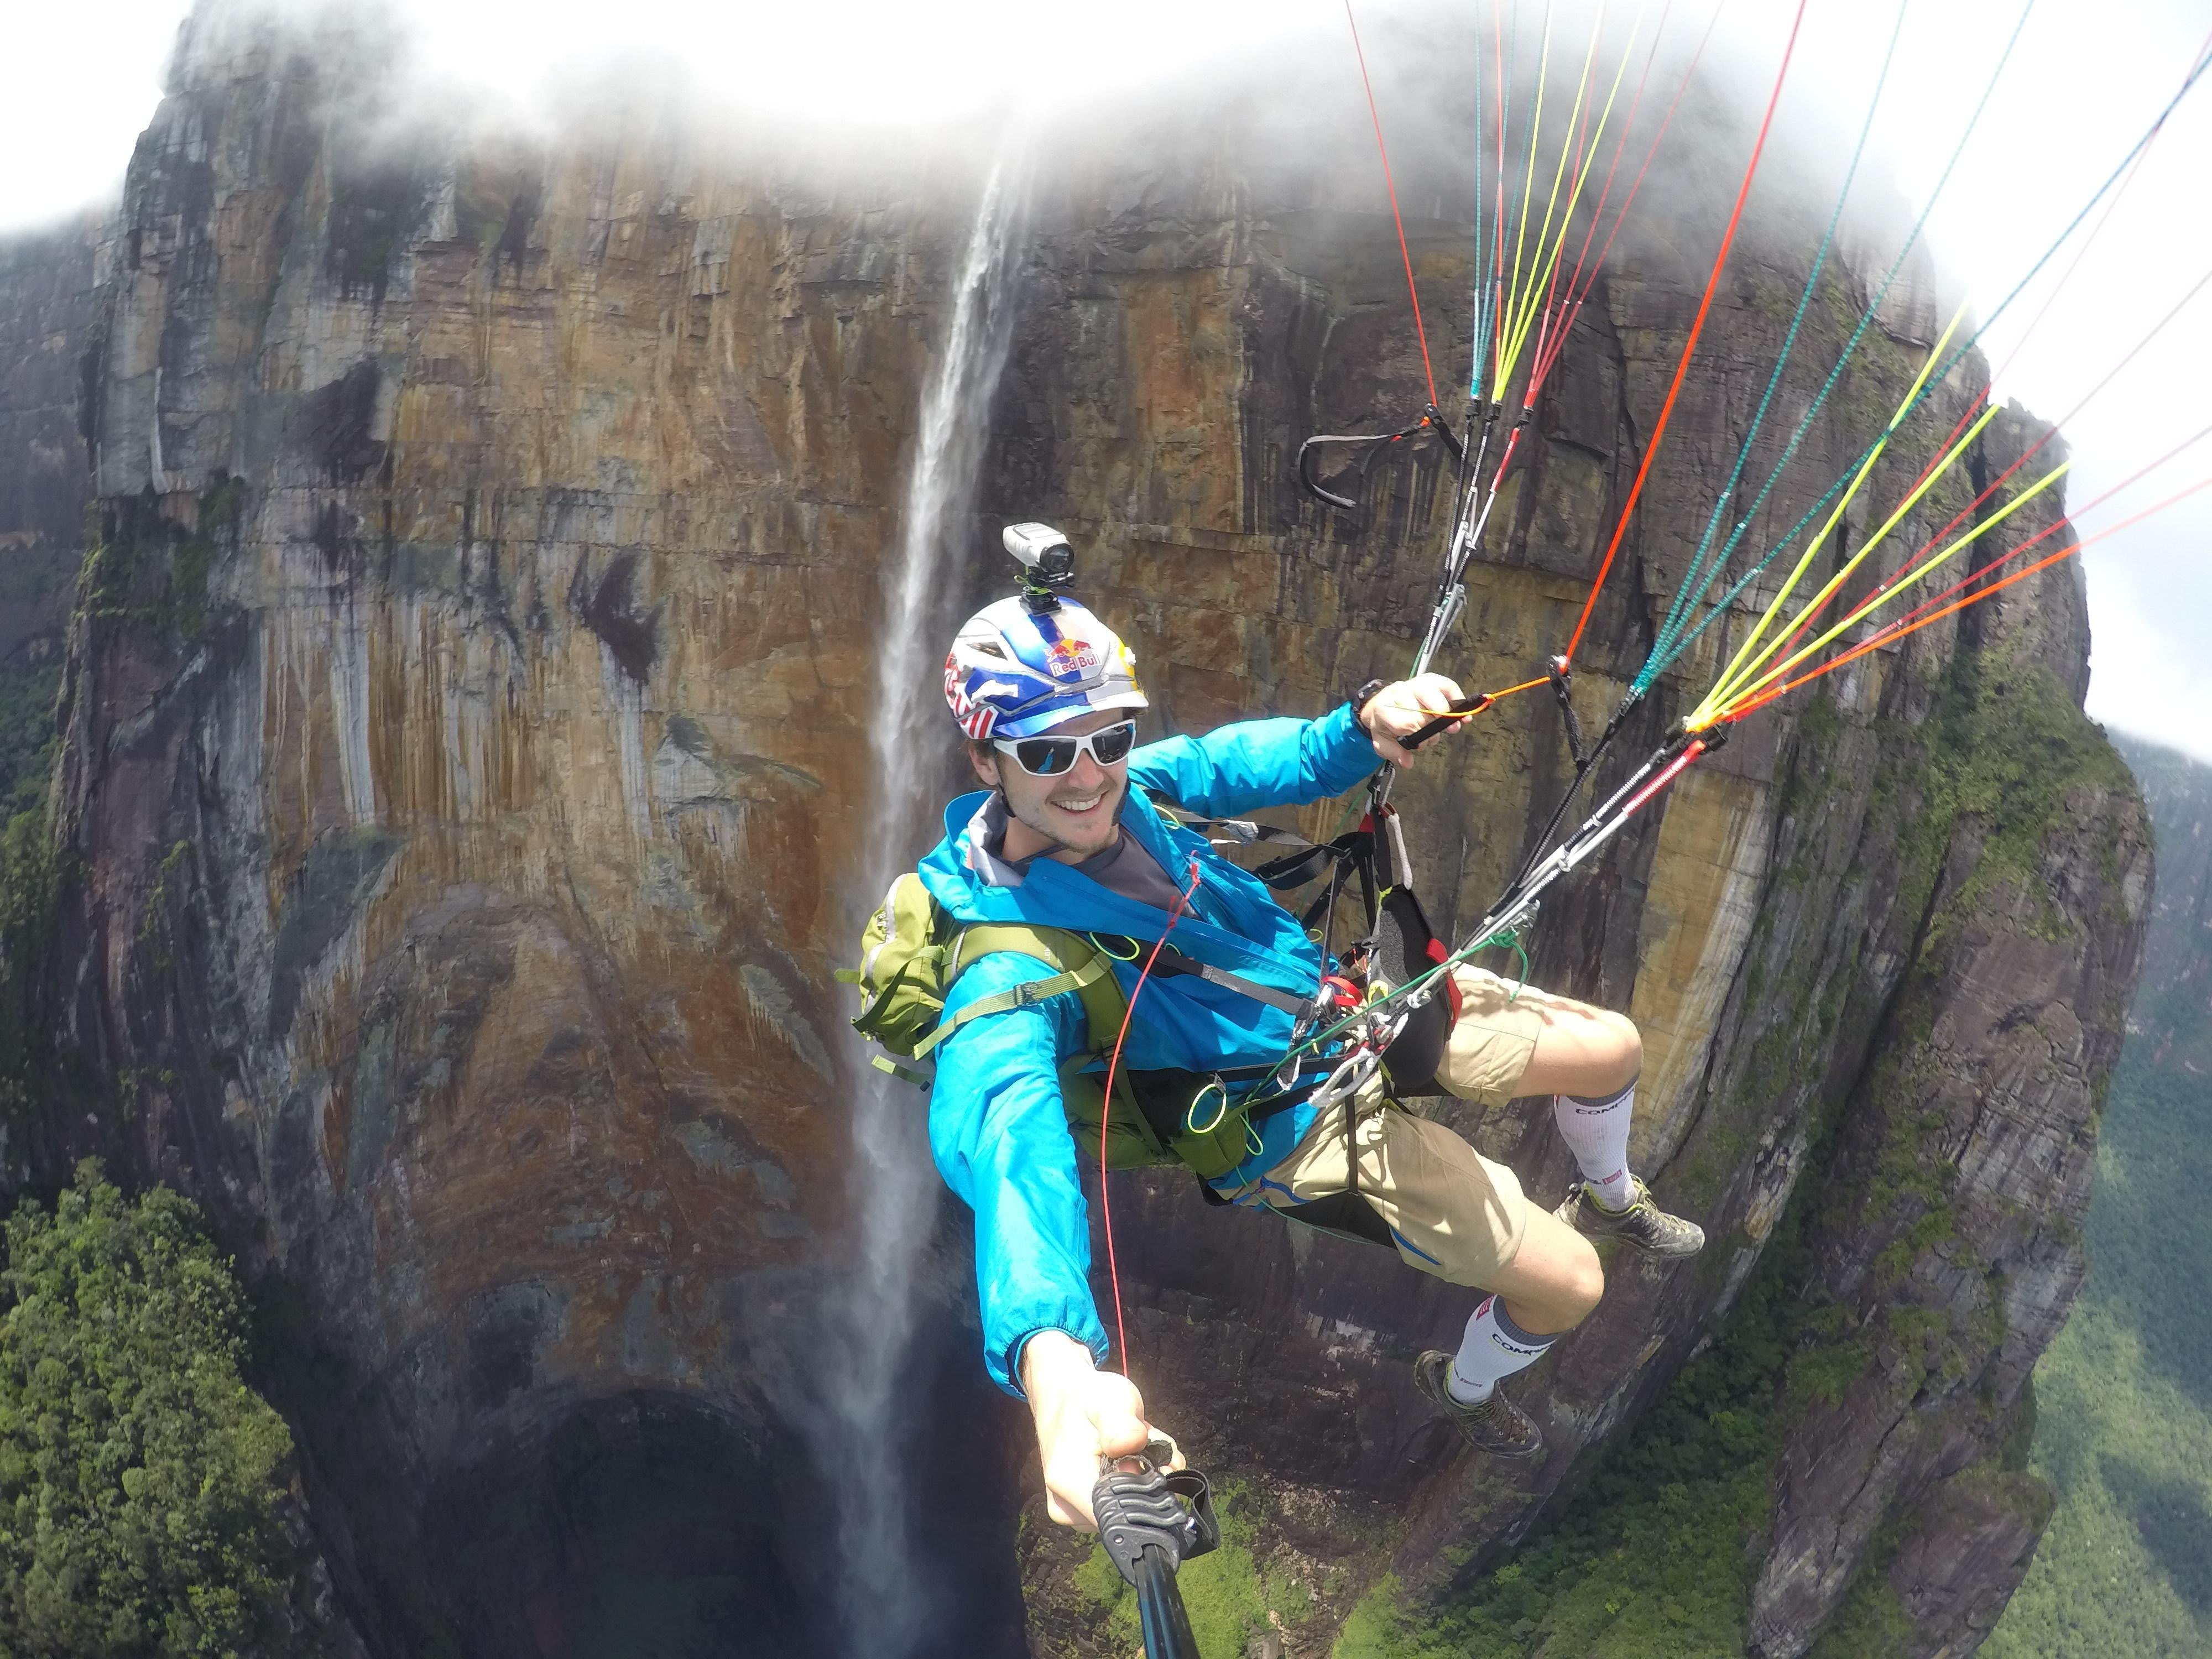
1880,599
1531,300
1528,184
1575,192
1943,462
1745,659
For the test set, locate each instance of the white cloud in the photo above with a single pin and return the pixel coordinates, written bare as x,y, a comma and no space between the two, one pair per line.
81,80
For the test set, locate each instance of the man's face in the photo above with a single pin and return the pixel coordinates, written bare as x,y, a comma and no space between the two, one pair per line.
1075,810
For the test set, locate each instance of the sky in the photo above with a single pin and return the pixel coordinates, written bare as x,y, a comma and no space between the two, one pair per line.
2084,79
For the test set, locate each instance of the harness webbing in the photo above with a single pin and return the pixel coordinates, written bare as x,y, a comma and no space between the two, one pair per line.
1024,995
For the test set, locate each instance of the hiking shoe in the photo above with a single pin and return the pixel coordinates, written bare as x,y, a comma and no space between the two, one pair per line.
1496,1425
1643,1223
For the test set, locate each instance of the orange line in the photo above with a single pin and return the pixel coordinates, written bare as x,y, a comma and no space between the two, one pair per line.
1898,632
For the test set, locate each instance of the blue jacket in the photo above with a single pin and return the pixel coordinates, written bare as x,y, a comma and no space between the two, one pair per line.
996,1125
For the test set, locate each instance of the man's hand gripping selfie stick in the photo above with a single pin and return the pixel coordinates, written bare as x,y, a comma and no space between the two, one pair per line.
1152,1519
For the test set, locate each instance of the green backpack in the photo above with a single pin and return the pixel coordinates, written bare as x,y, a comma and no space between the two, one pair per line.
911,952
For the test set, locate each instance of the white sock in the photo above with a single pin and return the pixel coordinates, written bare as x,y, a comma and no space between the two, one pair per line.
1493,1347
1596,1129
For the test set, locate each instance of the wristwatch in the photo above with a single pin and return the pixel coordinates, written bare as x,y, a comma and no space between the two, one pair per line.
1358,700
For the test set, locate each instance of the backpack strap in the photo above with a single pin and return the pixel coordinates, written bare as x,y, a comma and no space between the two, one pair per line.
1083,968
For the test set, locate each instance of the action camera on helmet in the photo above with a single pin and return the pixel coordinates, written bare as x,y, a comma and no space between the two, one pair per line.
1047,562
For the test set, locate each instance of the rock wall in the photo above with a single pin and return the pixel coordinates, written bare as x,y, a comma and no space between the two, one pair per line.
48,283
465,730
2171,1010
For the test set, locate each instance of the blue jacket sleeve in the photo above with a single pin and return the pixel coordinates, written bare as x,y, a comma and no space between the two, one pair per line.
1256,764
999,1135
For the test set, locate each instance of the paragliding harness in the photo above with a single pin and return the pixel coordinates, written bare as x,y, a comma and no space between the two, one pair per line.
1400,1042
913,952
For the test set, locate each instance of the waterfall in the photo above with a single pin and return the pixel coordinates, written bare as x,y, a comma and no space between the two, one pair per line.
894,1188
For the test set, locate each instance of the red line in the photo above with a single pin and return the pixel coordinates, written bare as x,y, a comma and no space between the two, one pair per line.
1973,407
1672,771
1548,314
1682,369
1629,200
1106,1113
2026,455
1898,630
1551,342
2049,433
1620,146
2052,529
1390,184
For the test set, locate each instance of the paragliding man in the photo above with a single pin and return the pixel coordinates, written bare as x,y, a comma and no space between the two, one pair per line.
1058,877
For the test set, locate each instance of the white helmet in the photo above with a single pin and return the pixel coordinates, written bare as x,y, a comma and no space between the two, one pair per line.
1013,671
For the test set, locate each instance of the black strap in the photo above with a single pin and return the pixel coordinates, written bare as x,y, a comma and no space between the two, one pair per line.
1346,1214
1370,445
1303,861
1563,683
1460,708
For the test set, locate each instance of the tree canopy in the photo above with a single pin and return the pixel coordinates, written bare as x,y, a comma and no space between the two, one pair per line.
141,1481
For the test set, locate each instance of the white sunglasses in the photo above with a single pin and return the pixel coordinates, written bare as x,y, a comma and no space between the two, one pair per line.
1049,757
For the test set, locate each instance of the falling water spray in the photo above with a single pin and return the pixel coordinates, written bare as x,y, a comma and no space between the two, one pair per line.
894,1191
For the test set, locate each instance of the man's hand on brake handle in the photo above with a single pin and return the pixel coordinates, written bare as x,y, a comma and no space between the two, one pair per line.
1082,1415
1401,709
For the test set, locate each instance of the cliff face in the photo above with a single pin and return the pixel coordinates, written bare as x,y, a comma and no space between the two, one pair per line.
48,296
2173,1011
465,735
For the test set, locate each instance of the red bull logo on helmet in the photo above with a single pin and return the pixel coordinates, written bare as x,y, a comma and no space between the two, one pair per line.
1070,659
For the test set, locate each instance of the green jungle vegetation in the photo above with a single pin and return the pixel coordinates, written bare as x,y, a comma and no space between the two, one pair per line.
146,1506
1649,1561
143,1488
2124,1429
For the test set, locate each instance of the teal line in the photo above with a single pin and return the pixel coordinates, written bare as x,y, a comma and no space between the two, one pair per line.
1677,613
1666,651
1481,135
1952,363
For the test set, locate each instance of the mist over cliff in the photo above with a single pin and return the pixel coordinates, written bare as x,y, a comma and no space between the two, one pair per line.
463,555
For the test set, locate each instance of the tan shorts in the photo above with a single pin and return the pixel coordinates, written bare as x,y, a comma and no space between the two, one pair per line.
1451,1211
1490,1048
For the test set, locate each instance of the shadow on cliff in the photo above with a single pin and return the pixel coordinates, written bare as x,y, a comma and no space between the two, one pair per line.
2175,1525
655,1524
